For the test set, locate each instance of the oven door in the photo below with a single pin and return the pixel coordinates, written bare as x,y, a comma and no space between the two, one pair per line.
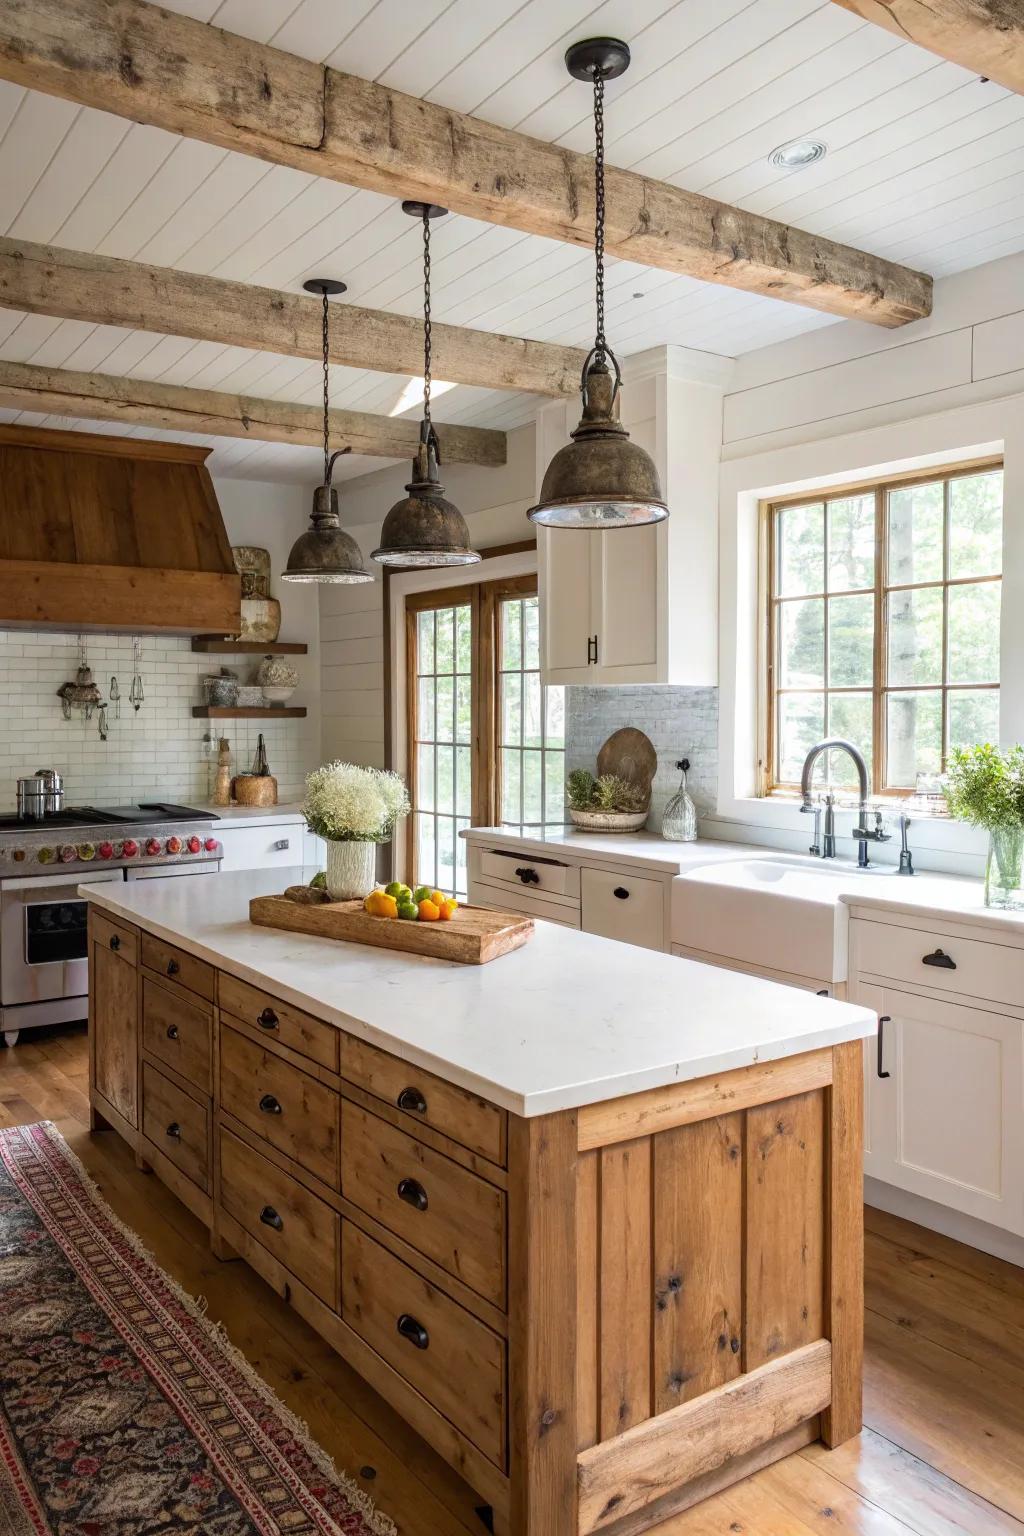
44,937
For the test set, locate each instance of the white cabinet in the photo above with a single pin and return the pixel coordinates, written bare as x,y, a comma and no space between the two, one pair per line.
630,908
600,605
262,847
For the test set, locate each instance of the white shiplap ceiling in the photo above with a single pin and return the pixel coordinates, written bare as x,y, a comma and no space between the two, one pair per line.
925,165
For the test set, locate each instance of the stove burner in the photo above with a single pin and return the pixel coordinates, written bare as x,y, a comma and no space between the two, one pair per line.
108,816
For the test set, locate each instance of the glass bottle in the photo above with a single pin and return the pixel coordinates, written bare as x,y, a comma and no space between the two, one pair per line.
679,823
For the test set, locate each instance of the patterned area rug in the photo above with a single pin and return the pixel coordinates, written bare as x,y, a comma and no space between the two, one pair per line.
123,1411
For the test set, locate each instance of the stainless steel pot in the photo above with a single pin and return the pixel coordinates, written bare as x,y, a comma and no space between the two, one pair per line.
32,796
54,789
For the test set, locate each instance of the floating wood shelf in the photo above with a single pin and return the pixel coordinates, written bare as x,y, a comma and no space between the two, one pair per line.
248,647
267,712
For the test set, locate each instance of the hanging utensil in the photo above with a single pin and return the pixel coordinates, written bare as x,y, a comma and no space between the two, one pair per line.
137,696
115,698
101,721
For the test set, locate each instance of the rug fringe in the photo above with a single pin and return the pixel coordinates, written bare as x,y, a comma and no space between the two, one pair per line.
196,1307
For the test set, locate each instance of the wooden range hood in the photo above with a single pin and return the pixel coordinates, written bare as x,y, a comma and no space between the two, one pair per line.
112,533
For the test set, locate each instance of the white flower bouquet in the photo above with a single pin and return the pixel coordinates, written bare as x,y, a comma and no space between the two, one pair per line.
348,804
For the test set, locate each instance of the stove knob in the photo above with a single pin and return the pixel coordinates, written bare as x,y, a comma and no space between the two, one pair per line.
153,845
193,845
129,848
18,855
86,851
106,850
46,855
68,853
211,845
174,845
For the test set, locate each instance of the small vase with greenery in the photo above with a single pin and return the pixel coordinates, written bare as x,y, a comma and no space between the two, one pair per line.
609,802
353,809
985,787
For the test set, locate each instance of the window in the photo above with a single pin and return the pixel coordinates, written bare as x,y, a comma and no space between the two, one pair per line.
486,739
883,626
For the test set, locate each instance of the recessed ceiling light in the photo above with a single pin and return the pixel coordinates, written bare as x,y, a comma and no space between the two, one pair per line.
801,152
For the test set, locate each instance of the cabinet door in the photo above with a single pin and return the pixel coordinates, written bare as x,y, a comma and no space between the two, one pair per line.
565,557
262,847
625,605
947,1122
115,1029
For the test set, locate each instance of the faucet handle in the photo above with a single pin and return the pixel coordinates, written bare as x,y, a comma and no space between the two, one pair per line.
881,835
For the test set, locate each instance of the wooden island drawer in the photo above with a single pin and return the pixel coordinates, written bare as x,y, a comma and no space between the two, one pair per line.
994,972
178,1031
436,1205
179,966
426,1099
448,1355
280,1021
123,940
176,1123
284,1217
294,1112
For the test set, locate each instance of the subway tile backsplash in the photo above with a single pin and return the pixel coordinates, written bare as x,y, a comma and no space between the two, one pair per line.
157,753
681,722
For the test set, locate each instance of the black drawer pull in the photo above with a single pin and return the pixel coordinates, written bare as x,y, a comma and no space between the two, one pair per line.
882,1022
173,967
413,1193
412,1100
270,1218
415,1332
172,1031
115,942
621,892
270,1105
940,959
174,1131
267,1019
528,876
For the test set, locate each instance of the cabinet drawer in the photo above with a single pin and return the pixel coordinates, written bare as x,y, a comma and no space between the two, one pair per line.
280,1021
500,898
532,874
293,1111
968,966
173,1121
116,936
263,847
426,1099
179,967
290,1222
448,1355
624,907
436,1205
178,1031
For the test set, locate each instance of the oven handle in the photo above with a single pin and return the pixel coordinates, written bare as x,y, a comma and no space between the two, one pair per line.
55,882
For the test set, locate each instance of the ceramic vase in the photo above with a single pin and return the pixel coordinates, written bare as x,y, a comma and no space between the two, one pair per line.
1003,871
351,868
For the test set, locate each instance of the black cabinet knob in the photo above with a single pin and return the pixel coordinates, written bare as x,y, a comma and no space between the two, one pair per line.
940,959
115,942
174,1131
413,1193
528,876
267,1019
621,892
270,1218
414,1331
172,1031
173,967
270,1105
412,1100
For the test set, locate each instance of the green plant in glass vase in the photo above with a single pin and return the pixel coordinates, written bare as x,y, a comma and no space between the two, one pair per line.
985,787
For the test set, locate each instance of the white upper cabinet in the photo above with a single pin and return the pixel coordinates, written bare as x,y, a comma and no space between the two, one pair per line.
639,605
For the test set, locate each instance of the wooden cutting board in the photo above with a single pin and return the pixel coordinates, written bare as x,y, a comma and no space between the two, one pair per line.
474,935
630,755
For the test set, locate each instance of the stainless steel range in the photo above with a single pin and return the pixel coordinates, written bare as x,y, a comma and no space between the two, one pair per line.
43,943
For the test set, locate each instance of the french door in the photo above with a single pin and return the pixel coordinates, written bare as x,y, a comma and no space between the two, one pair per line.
486,741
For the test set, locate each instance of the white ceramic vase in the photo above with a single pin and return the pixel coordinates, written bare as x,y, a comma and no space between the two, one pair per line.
351,868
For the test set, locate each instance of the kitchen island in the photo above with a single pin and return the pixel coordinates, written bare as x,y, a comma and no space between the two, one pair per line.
589,1216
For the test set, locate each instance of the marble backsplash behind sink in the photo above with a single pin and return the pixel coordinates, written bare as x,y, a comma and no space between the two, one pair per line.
681,722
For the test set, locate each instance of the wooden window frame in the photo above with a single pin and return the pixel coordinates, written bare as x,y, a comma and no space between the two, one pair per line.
769,600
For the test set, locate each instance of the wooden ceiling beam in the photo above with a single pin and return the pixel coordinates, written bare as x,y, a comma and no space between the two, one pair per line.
172,408
130,57
104,290
986,36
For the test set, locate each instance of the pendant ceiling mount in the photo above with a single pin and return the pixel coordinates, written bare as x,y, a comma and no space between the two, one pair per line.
425,528
325,553
600,479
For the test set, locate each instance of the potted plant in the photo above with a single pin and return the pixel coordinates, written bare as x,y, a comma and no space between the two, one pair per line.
985,787
605,804
353,809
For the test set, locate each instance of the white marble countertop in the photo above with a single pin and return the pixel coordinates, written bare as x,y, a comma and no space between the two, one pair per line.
640,850
569,1019
933,897
257,815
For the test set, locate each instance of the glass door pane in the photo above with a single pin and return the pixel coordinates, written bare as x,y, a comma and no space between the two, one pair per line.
441,778
530,723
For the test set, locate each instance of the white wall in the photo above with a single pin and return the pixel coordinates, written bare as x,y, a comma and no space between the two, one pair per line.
158,753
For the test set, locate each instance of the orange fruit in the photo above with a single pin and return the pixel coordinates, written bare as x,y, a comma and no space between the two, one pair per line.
448,910
429,911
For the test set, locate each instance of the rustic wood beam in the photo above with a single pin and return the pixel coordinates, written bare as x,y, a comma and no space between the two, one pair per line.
101,397
986,36
44,280
130,57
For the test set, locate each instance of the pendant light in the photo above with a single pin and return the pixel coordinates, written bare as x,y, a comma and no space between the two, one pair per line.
325,552
599,480
424,528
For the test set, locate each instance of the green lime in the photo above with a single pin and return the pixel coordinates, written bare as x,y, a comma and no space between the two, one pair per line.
408,910
404,893
421,893
395,889
319,882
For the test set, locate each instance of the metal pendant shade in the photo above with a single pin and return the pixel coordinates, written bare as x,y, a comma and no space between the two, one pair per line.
600,479
325,553
425,528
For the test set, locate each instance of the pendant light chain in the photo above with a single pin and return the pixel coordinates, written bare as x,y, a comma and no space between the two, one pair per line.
327,391
600,342
426,316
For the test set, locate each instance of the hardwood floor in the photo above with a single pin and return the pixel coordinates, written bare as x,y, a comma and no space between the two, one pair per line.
942,1453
